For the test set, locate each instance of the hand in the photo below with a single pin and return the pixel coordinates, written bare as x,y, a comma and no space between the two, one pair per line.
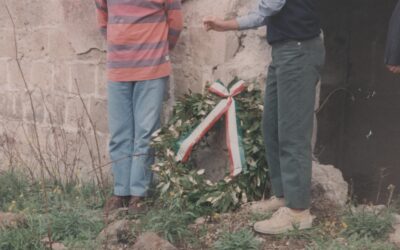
394,68
214,23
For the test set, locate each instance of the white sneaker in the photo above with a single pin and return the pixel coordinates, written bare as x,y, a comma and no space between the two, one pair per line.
266,206
284,220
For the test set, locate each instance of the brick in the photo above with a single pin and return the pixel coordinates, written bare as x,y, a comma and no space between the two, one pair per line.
62,79
85,76
7,44
41,75
98,108
101,84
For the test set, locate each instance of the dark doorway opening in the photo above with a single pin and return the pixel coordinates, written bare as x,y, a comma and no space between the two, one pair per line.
359,123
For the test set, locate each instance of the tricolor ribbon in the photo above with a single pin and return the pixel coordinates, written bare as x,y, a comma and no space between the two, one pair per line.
226,106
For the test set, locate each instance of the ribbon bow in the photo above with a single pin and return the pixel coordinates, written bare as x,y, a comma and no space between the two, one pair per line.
226,107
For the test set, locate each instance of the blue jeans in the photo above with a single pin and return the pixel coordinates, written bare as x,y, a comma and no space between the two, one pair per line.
134,110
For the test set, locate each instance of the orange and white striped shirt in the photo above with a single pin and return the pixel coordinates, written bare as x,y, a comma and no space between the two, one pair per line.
140,34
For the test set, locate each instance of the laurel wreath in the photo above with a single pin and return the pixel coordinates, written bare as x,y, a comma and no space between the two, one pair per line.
187,182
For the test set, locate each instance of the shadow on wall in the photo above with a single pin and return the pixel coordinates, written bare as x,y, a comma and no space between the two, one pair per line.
359,127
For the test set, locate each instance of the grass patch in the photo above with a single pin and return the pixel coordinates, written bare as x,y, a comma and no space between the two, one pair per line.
73,214
352,243
28,237
171,223
367,225
75,225
243,239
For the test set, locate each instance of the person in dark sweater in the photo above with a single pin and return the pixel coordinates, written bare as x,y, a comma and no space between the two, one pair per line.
298,54
392,53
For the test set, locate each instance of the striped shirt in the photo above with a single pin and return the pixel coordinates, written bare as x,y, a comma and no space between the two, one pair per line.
139,34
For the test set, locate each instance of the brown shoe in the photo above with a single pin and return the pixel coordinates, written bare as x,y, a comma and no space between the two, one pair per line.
137,205
114,203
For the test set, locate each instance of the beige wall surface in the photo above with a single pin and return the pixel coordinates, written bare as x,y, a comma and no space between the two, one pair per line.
58,44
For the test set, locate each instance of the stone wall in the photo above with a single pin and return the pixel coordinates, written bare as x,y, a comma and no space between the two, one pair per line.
58,43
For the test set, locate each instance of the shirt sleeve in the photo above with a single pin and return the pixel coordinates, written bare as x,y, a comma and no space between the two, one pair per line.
102,16
256,18
175,21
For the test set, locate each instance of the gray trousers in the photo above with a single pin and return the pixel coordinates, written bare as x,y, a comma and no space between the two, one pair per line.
288,117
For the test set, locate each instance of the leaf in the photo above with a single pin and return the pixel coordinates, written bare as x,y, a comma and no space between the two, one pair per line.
165,187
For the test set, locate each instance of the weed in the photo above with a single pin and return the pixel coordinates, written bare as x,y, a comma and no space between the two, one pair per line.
352,243
368,225
28,237
12,186
75,225
254,217
302,234
241,240
172,223
72,217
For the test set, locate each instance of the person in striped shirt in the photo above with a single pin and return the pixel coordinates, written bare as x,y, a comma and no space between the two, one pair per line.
139,34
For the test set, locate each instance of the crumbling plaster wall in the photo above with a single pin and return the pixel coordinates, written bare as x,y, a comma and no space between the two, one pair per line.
206,56
58,42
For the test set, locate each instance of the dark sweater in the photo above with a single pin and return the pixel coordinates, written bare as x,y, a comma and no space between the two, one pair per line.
297,20
392,54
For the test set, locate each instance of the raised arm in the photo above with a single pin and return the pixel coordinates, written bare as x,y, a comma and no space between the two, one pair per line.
175,21
102,16
254,19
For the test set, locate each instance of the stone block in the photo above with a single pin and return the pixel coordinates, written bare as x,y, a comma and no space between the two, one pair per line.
101,84
41,76
35,13
85,77
59,46
55,109
75,113
80,25
3,75
18,108
6,104
98,113
14,76
33,45
7,43
39,112
62,77
5,21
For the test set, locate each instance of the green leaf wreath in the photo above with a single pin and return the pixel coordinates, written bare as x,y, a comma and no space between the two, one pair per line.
187,182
